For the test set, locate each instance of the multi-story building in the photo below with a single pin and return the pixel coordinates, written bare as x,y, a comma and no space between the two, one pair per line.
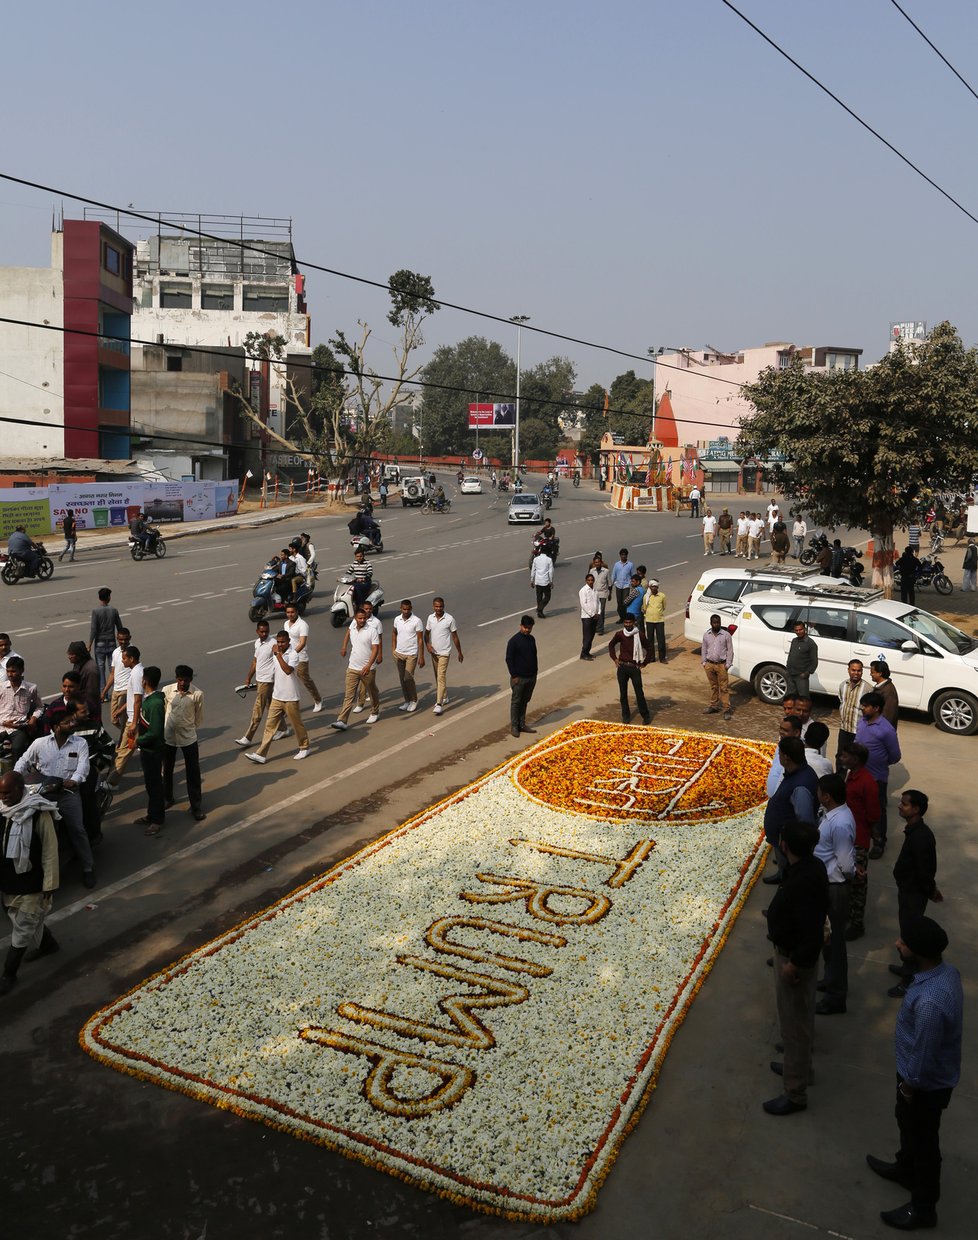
65,390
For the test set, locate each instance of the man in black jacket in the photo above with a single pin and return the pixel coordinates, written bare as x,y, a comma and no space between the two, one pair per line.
915,873
795,923
521,662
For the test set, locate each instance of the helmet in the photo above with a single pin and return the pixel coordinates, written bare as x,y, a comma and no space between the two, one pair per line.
295,544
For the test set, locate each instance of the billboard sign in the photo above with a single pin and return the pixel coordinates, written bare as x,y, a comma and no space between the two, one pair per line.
915,331
492,417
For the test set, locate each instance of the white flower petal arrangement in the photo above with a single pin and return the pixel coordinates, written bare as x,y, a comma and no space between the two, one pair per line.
481,1000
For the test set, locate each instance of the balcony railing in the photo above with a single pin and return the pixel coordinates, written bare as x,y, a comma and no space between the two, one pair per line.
114,345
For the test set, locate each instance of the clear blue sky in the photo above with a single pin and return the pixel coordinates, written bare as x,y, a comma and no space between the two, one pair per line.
631,173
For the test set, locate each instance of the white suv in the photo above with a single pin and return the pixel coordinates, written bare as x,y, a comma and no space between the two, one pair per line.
414,490
725,591
933,665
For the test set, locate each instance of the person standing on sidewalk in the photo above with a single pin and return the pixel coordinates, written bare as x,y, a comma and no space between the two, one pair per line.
928,1062
836,851
602,587
879,673
880,739
363,643
298,631
590,614
851,692
969,567
629,651
441,633
152,747
407,647
28,873
716,655
621,580
795,922
521,663
915,874
262,672
709,531
70,531
654,616
104,625
134,701
694,502
801,662
284,704
542,579
184,715
863,799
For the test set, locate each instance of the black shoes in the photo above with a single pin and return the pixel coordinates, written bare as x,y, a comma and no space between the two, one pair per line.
772,880
782,1105
515,731
524,728
198,815
827,1007
88,878
909,1217
888,1170
876,852
854,932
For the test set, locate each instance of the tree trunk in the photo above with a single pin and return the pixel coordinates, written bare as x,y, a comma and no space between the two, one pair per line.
884,554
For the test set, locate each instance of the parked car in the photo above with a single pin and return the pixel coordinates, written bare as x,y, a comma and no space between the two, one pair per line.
933,665
724,591
471,486
414,490
525,509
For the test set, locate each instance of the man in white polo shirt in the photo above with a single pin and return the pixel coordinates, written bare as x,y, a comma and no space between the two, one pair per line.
134,704
298,631
440,635
285,702
262,672
407,646
363,644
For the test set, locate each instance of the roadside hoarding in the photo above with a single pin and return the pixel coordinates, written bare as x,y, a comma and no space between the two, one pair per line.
103,505
492,417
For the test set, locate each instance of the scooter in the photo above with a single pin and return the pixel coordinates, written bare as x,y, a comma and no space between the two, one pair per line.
267,599
577,480
156,547
342,609
365,542
15,569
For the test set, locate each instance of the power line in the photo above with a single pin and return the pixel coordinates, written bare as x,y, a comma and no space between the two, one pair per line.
498,397
855,116
332,271
967,85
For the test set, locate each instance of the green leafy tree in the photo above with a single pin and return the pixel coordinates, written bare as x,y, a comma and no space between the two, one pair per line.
860,447
545,394
475,369
630,410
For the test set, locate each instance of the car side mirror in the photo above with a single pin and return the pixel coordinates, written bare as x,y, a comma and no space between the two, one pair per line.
910,647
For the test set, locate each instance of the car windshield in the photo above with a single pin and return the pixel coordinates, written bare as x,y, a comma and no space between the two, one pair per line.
942,634
525,499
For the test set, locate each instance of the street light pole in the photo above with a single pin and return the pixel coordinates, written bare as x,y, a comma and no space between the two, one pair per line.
519,320
654,354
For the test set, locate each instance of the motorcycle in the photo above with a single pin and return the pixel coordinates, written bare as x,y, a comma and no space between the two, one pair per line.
156,547
367,542
547,496
503,485
818,542
267,599
577,480
852,564
101,756
15,569
551,545
342,609
929,573
433,505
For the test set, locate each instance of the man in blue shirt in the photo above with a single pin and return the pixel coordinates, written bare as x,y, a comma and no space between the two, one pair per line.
621,579
928,1064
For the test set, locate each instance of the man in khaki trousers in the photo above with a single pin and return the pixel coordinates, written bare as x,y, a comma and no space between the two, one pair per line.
285,702
363,644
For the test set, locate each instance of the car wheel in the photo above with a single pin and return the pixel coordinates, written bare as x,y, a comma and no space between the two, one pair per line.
943,585
956,711
770,683
412,491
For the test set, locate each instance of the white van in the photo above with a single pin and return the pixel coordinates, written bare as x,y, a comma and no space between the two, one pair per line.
724,591
933,665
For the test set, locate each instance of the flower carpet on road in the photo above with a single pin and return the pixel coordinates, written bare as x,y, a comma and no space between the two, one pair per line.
481,1000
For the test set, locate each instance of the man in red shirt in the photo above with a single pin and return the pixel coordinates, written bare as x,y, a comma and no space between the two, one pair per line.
863,800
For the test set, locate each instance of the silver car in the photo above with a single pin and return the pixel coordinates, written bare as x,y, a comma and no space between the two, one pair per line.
525,509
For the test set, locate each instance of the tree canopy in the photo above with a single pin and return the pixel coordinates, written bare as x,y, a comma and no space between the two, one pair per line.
860,446
630,411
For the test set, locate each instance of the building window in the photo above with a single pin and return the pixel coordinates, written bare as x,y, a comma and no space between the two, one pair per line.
174,362
784,359
112,259
271,298
840,361
175,297
216,297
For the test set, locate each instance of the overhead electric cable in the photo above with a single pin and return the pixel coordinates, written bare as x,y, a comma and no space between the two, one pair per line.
855,116
332,271
966,84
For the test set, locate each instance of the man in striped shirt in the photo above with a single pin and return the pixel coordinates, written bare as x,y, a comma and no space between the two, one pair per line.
362,574
850,693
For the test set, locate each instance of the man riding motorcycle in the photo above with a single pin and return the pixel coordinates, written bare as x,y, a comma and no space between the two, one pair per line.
142,531
438,499
363,523
20,546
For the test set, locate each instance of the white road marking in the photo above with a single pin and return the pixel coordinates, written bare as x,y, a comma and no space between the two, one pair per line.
211,568
657,543
679,564
522,612
87,563
280,807
198,550
221,649
60,593
508,573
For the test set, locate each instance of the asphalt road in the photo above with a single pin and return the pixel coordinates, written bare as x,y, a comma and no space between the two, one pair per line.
90,1153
